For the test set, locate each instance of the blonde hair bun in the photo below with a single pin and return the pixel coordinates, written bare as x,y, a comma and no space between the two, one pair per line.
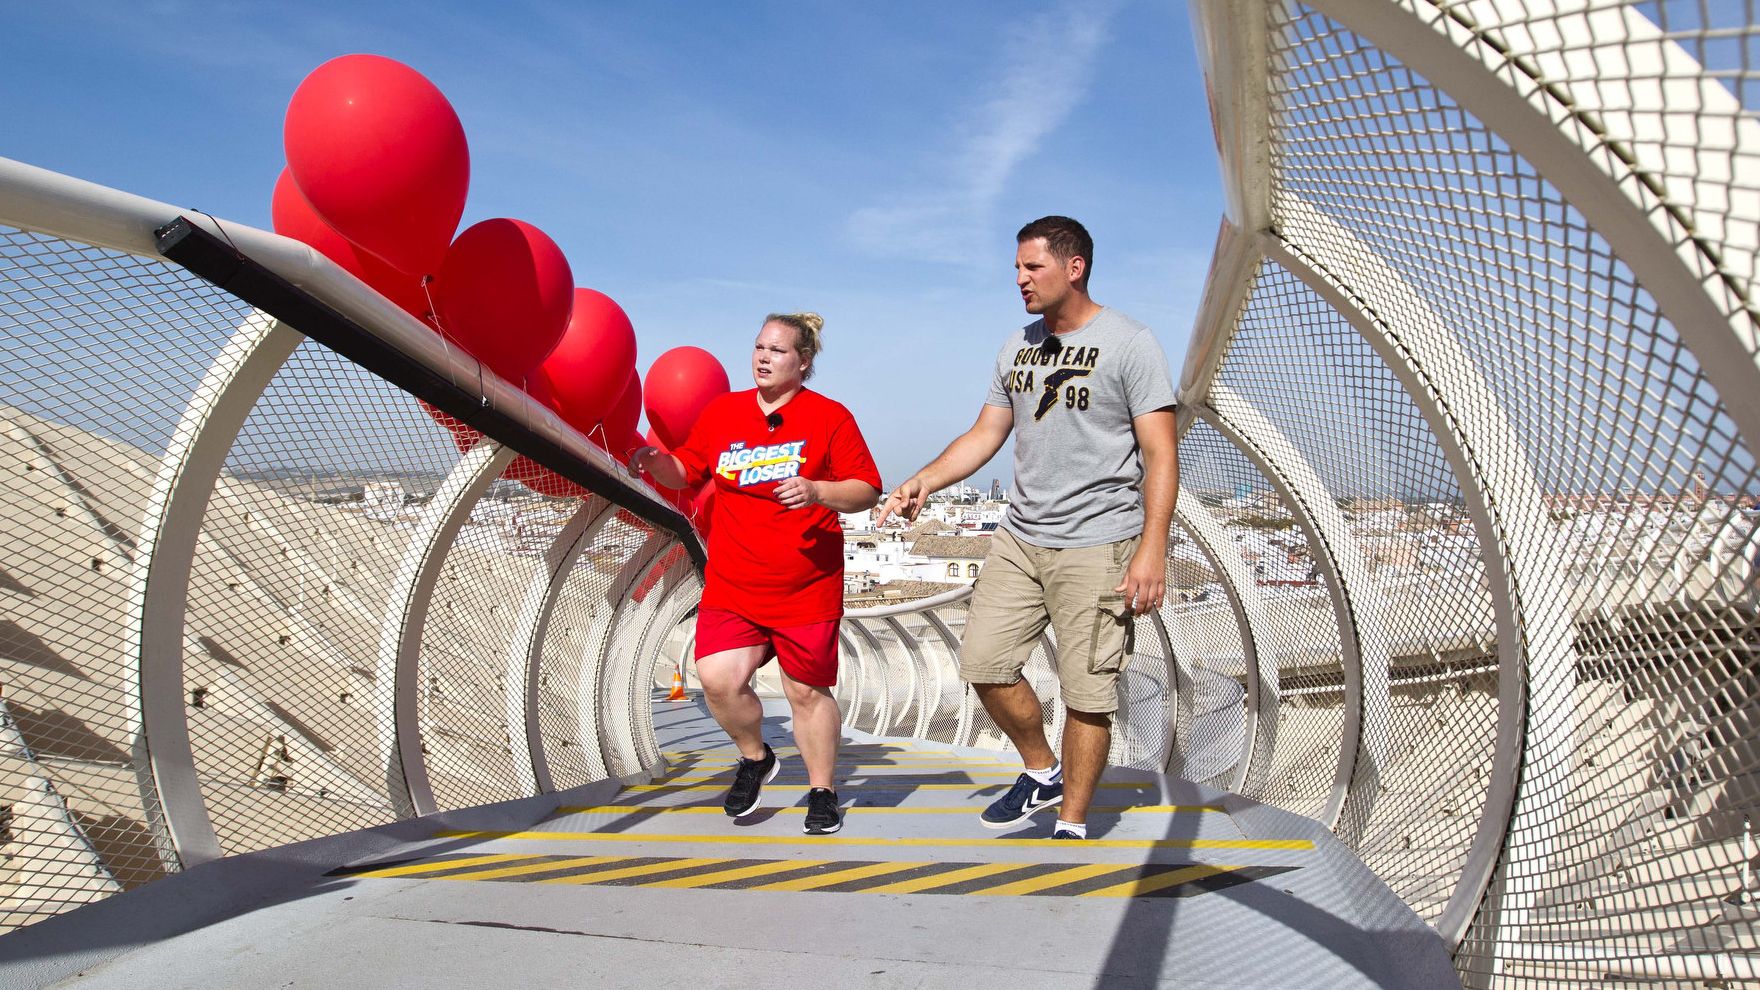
809,336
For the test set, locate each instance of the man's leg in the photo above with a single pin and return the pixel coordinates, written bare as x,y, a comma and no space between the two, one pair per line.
1015,710
818,727
1006,619
727,686
1087,736
1094,639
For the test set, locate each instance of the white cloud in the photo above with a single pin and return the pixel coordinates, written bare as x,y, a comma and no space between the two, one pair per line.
1042,75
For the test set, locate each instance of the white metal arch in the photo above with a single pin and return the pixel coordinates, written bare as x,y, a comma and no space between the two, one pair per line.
1253,620
158,586
1355,601
526,649
1537,658
882,693
617,755
677,594
923,676
397,675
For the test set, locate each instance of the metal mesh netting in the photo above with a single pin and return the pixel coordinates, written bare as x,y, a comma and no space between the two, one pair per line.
292,588
78,326
1303,638
1432,605
1142,728
1640,772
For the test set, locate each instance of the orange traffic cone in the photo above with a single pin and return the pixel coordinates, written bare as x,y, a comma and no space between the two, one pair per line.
677,693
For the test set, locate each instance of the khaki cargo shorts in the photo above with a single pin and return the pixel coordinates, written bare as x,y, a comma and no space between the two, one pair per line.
1023,588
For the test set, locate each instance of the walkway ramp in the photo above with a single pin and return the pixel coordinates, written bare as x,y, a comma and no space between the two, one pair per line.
651,885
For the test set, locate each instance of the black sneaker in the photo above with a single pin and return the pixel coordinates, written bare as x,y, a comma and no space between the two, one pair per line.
749,779
1066,833
823,815
1022,800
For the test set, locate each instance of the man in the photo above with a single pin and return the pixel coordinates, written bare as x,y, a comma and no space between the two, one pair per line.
1085,391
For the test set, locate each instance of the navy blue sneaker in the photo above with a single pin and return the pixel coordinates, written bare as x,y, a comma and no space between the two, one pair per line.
1022,800
1065,833
748,783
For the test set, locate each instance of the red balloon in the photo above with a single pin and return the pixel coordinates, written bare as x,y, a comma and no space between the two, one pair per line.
293,217
591,363
680,383
505,291
541,479
536,476
654,441
463,437
381,156
620,422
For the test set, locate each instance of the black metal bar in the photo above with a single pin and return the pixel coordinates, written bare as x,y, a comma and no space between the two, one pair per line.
219,262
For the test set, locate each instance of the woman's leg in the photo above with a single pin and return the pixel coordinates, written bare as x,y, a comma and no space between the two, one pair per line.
727,686
818,726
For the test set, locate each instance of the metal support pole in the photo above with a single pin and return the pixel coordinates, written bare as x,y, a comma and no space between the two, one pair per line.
158,586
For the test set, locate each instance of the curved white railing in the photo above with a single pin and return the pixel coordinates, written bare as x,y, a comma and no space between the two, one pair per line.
254,593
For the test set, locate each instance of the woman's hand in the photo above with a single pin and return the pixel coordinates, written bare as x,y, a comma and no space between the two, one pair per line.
797,493
638,458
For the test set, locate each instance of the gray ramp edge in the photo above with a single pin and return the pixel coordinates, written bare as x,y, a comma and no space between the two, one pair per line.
61,947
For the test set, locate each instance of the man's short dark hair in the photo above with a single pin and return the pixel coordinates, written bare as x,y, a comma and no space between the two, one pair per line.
1064,238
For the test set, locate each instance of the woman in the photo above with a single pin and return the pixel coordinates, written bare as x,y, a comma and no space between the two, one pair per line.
784,461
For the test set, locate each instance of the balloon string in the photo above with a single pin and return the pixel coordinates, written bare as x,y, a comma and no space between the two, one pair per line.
222,229
446,339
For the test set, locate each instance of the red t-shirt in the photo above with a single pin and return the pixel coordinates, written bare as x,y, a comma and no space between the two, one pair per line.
773,565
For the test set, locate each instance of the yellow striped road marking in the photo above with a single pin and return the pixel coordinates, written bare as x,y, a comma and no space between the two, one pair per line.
715,809
724,778
722,876
903,769
840,876
600,876
543,867
1160,881
450,864
872,783
944,879
697,754
1057,879
839,840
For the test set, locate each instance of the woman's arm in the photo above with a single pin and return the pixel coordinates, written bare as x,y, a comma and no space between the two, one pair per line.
838,496
661,466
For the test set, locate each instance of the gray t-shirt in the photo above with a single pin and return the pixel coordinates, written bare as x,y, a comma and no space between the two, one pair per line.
1077,471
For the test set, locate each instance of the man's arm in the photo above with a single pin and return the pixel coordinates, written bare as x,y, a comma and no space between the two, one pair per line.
965,455
1145,580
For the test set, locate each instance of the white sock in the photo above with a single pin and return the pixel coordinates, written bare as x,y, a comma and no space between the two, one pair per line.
1048,776
1063,826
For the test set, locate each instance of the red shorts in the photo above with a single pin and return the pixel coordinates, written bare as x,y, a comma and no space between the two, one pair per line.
807,653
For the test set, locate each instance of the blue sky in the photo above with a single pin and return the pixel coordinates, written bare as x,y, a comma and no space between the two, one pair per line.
707,163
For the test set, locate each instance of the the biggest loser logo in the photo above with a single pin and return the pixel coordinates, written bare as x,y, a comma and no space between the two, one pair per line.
744,465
